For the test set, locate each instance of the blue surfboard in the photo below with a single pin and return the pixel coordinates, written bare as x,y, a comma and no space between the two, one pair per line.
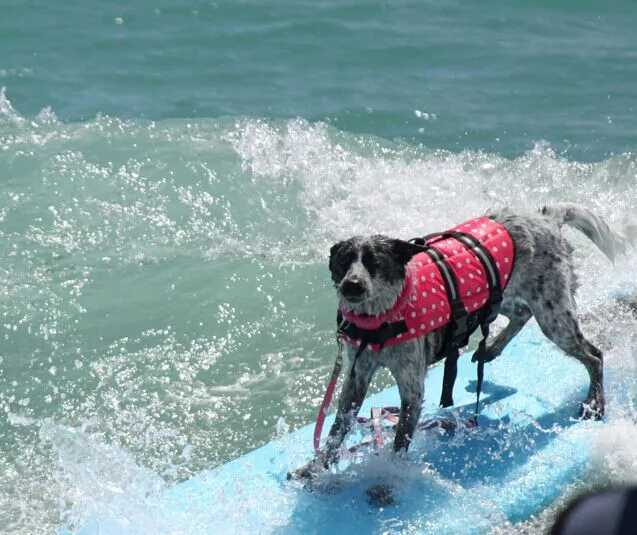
527,447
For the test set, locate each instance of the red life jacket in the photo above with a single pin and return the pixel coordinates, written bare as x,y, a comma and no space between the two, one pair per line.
425,303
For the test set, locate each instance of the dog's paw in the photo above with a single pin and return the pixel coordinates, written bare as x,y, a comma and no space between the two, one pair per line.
307,472
591,411
380,495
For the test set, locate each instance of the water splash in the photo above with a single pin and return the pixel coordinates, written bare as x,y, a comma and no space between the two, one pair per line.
7,112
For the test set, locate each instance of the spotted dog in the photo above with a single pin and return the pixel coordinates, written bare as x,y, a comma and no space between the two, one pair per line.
371,274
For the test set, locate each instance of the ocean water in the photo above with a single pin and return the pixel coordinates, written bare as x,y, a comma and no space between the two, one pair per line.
172,176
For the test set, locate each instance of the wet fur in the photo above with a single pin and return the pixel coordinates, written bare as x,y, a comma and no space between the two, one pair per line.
542,285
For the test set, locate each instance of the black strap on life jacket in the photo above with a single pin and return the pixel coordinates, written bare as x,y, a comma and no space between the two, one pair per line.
490,311
456,333
464,324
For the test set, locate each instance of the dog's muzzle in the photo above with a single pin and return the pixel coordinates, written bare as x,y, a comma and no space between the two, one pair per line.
352,289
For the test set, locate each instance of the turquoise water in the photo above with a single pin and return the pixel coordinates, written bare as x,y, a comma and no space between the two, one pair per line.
173,175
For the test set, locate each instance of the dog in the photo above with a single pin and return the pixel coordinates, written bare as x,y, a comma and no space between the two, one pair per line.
370,273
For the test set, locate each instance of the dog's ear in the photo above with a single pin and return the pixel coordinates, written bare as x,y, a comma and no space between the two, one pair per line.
404,251
336,248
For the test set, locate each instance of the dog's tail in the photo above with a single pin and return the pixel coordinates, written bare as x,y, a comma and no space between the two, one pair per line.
610,242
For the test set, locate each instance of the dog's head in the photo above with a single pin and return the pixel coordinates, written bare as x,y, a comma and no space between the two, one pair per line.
369,272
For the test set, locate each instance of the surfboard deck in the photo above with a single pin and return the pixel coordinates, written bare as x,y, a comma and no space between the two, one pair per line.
527,447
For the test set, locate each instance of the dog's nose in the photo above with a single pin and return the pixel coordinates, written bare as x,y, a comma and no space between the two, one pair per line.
352,288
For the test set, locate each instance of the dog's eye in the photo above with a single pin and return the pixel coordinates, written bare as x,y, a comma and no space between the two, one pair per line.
341,264
371,262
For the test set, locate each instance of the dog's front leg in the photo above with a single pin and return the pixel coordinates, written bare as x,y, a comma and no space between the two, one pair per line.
352,396
409,366
354,391
410,406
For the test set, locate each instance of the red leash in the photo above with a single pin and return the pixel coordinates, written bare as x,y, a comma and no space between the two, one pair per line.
327,398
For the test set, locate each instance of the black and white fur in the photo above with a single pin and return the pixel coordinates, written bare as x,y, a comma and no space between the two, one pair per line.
369,275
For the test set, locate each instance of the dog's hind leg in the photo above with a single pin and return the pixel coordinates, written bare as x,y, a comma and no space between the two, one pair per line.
561,327
518,316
